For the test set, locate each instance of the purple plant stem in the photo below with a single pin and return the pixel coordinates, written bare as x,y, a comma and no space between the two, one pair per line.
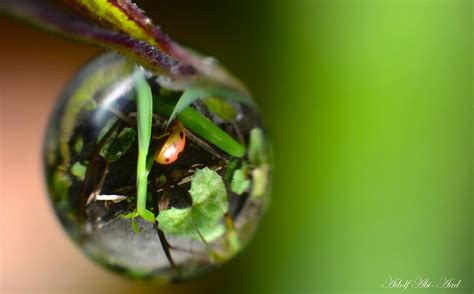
58,19
183,67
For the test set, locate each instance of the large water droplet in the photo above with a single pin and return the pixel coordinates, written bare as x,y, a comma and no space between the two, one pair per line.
207,192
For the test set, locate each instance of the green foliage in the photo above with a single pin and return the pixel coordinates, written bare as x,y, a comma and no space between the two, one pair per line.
132,216
78,170
108,125
175,221
239,183
221,108
115,148
233,242
61,185
129,215
203,128
257,152
231,168
229,94
144,118
78,145
81,100
259,157
162,179
209,206
188,97
193,94
260,180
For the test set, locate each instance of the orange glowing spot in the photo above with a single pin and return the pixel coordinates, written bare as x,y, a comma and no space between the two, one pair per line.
173,145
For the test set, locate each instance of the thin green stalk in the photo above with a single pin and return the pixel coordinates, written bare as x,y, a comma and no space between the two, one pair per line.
144,118
202,127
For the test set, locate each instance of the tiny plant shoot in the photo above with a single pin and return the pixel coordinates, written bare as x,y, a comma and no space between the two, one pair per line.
144,115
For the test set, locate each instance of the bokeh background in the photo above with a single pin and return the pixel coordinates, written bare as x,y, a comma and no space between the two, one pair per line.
369,106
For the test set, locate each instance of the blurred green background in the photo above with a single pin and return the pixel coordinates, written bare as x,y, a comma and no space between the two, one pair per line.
369,107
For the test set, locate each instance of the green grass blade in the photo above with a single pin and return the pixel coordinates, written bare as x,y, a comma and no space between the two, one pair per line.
193,94
144,117
188,97
202,127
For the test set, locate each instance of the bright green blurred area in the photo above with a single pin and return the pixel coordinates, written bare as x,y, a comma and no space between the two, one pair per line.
369,105
373,140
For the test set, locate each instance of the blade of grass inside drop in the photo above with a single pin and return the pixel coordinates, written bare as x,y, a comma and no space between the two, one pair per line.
193,94
144,117
202,127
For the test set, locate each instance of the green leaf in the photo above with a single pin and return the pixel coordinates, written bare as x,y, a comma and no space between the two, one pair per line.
108,125
257,152
209,206
259,157
233,242
231,168
129,215
202,127
229,94
81,99
144,111
115,148
78,145
175,220
221,108
78,170
206,129
188,97
211,233
61,184
260,180
239,182
207,185
144,117
193,94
